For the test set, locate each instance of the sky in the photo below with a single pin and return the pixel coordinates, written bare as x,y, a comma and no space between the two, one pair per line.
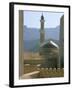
32,19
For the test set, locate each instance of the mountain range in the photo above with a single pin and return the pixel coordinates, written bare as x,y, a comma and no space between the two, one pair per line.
31,37
34,33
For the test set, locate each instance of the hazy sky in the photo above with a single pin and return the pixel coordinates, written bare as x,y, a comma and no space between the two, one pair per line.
32,19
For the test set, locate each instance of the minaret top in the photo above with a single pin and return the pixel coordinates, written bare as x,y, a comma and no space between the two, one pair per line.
42,17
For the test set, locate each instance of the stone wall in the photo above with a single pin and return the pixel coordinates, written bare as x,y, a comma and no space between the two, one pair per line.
44,72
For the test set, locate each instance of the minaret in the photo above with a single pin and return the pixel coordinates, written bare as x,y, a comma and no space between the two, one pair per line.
42,33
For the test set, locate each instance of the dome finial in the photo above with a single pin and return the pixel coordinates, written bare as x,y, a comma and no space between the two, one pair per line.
42,17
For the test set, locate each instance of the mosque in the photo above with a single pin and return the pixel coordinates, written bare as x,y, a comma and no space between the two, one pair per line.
51,49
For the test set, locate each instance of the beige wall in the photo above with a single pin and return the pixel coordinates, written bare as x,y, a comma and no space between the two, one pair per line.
21,43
